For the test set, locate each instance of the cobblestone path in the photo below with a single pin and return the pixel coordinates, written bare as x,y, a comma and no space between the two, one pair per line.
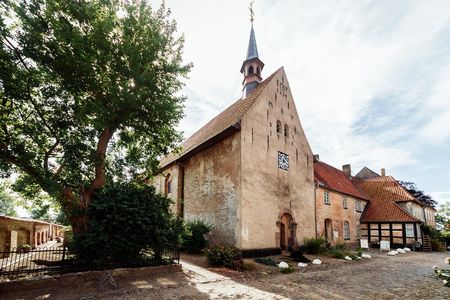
400,277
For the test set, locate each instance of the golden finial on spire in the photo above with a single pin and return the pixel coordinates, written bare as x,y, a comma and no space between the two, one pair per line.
252,13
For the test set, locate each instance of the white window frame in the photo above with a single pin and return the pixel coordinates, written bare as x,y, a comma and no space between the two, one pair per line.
358,206
346,230
409,230
326,197
344,202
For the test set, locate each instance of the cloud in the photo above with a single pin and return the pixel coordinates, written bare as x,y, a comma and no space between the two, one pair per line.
441,197
370,78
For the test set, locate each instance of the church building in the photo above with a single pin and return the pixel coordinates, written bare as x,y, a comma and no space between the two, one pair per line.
249,172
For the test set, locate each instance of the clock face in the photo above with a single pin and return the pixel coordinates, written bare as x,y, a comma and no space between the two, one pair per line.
283,161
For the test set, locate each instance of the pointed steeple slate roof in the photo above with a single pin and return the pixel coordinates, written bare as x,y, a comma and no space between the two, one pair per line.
252,51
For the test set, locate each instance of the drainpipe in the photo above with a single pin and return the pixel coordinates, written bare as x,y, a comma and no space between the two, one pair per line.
315,208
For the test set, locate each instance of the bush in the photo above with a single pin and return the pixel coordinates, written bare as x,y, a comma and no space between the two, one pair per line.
128,224
337,253
223,255
297,255
193,238
359,251
266,261
287,270
314,245
436,245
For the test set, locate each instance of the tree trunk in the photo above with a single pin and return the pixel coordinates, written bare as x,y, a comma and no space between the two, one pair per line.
80,203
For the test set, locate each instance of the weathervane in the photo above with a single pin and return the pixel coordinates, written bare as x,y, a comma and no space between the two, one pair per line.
252,13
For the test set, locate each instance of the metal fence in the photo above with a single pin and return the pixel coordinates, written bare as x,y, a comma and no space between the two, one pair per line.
20,264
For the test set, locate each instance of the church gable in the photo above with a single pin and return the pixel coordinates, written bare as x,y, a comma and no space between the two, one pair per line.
276,169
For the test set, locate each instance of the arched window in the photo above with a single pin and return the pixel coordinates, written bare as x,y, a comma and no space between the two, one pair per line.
278,126
257,70
286,131
168,185
250,70
346,231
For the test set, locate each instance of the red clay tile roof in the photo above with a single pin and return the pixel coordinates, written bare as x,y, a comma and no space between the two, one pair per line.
336,180
384,192
226,119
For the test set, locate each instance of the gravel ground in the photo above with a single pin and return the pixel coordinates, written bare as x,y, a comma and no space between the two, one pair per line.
408,276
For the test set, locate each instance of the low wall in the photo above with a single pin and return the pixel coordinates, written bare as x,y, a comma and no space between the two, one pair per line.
71,279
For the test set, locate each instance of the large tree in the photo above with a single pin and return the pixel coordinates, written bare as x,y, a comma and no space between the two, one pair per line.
7,201
89,92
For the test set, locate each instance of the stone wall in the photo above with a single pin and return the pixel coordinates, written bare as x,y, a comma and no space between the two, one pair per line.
15,232
212,188
269,192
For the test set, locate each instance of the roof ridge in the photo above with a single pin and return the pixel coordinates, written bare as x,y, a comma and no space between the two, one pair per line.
230,116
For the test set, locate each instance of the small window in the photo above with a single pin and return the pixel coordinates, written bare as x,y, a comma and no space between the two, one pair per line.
169,187
358,206
346,231
250,70
278,126
326,198
344,202
286,131
409,230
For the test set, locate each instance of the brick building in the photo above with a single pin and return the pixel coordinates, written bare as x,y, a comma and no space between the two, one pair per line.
339,203
393,214
16,232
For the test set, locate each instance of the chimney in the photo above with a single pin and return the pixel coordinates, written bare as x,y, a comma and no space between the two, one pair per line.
316,157
383,172
347,169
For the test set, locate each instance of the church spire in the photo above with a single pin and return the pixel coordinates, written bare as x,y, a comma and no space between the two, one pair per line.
252,65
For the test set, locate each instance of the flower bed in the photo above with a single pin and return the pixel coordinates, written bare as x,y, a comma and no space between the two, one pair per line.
444,274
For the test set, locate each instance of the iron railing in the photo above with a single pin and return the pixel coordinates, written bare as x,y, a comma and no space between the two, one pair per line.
23,263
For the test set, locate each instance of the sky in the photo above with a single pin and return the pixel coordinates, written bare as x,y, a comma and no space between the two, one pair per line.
371,79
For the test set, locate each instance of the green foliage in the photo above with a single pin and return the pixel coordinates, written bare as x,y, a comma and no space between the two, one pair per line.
288,270
443,215
337,253
68,236
436,245
266,261
7,201
314,245
297,255
128,223
193,238
432,232
223,255
359,251
89,91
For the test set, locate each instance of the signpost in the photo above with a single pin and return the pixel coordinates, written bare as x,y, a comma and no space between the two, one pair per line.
364,244
385,246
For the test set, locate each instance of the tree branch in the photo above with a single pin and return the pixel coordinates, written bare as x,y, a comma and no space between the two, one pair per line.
48,153
100,177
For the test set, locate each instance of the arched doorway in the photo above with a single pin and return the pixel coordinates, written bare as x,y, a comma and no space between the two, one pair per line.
328,230
286,232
